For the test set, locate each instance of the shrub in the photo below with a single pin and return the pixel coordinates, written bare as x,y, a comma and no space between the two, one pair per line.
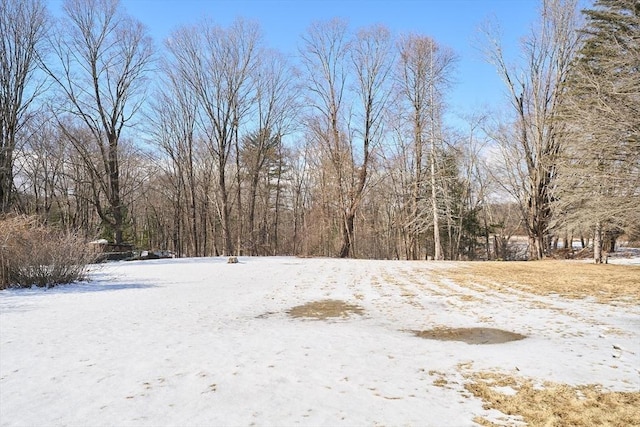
34,254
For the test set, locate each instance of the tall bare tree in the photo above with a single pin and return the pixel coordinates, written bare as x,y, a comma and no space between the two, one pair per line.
324,55
536,94
347,130
103,57
424,71
172,123
217,64
275,106
372,60
23,28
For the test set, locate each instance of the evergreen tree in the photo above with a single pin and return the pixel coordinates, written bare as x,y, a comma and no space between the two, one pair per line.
599,183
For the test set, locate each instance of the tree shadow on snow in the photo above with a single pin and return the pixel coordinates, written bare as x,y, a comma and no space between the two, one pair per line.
78,287
23,299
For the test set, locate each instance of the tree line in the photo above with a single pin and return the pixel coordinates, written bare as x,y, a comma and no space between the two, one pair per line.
217,144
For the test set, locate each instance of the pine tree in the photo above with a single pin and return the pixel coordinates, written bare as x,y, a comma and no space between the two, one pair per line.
599,179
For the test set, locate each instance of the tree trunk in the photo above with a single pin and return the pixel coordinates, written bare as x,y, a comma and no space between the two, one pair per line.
486,237
176,235
413,236
437,252
437,244
597,243
252,209
535,227
114,197
194,207
609,241
347,235
6,176
226,214
276,244
239,189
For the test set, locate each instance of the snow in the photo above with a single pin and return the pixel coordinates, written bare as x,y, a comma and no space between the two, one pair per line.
100,242
625,256
188,342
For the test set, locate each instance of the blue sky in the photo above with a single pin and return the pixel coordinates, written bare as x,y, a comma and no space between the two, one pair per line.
450,22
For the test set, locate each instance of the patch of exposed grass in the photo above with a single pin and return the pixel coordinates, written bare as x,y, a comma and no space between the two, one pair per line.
553,404
607,283
325,309
470,335
441,380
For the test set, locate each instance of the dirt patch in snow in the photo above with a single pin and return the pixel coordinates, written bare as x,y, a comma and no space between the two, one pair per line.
325,309
470,335
553,404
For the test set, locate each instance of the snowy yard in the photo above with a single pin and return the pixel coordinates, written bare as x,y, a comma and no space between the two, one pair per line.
187,342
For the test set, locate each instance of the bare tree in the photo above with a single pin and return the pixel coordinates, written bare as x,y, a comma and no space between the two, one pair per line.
23,28
103,56
536,93
399,169
347,130
217,64
324,55
172,122
275,106
42,167
300,172
372,59
424,72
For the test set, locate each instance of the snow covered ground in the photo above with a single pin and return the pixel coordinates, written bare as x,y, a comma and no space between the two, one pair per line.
625,256
187,342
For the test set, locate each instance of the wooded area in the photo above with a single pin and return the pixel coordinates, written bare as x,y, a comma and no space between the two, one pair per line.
216,144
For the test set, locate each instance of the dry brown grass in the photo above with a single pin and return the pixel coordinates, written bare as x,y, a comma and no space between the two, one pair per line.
552,404
325,309
607,283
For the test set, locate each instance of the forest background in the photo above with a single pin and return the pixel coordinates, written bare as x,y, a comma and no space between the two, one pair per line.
211,142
